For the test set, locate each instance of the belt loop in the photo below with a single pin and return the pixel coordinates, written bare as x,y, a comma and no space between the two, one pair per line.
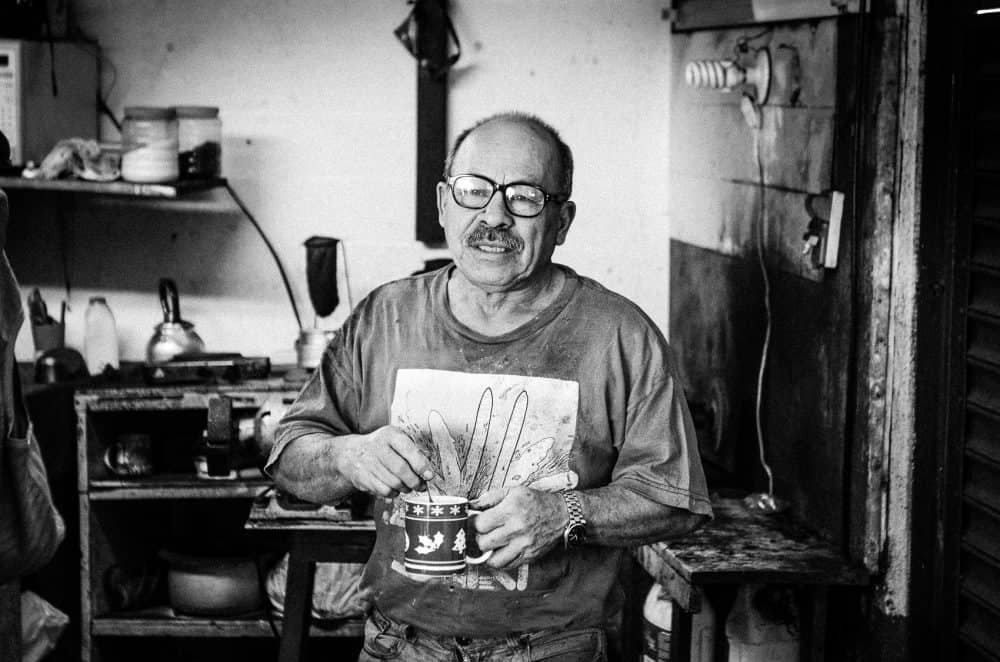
381,621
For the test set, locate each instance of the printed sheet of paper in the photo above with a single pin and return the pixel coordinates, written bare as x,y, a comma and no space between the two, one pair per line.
486,431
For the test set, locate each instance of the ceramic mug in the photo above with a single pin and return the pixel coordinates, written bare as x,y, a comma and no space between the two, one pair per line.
439,538
130,455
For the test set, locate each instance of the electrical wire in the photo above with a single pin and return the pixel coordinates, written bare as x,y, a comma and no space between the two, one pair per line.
743,43
347,280
767,305
270,248
52,51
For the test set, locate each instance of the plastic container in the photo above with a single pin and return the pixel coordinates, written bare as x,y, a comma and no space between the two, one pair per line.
756,637
149,149
100,341
199,142
657,619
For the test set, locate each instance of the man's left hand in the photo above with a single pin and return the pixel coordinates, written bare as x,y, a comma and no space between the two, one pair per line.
519,524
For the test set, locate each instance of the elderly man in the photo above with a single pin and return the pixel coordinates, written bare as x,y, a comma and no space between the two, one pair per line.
549,401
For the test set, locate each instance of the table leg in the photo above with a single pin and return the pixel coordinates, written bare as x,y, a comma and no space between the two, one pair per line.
813,615
680,633
298,608
10,620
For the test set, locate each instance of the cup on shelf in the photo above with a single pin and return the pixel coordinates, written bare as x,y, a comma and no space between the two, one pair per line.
130,455
48,336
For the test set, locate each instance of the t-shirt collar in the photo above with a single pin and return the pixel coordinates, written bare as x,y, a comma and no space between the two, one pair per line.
442,305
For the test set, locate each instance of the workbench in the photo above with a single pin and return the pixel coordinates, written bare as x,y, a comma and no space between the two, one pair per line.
737,547
741,546
309,541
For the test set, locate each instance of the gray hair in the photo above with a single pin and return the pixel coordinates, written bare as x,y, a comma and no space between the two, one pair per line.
563,151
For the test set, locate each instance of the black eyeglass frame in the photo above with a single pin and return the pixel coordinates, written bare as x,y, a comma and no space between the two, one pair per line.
558,198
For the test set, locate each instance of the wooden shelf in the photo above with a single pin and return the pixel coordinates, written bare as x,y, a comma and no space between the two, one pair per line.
167,190
175,486
249,393
185,626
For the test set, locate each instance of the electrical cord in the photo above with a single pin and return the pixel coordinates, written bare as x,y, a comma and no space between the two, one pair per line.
767,308
102,95
347,280
743,43
270,248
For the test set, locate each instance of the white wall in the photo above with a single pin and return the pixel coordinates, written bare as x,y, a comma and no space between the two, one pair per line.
318,107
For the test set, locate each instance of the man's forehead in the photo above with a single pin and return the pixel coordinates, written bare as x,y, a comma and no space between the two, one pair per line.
505,140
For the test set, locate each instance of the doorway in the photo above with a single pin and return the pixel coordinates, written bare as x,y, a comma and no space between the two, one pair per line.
956,587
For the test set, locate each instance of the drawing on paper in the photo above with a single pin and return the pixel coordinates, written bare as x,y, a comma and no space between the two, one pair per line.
485,431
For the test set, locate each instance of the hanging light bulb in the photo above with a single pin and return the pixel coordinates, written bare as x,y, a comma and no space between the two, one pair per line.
724,75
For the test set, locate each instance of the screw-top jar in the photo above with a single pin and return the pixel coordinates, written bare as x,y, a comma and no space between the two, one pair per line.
149,150
200,140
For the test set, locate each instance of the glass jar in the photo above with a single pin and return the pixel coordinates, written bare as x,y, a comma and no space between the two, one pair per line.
149,149
200,141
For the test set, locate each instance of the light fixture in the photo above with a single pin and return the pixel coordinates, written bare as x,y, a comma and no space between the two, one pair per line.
725,75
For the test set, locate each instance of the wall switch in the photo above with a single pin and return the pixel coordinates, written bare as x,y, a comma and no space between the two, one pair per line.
833,230
822,237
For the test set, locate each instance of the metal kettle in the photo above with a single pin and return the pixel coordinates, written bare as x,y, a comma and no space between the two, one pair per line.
173,335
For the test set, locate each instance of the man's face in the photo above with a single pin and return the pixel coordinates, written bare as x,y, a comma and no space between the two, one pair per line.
493,249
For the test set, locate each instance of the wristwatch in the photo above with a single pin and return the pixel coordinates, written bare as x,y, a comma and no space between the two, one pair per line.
576,527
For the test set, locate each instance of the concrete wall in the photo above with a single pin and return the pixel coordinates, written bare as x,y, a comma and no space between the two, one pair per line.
318,107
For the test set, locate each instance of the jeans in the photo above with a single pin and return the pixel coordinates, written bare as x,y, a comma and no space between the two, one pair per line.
388,640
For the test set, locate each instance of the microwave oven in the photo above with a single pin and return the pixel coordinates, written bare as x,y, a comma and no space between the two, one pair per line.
46,95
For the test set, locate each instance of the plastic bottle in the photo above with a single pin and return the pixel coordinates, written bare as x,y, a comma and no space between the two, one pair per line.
657,616
754,636
100,340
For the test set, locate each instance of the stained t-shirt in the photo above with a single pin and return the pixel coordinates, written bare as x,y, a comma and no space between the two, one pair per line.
583,395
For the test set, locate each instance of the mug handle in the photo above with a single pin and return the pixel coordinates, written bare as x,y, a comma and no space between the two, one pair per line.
479,559
482,558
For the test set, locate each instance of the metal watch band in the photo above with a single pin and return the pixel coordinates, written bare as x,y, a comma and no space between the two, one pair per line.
573,534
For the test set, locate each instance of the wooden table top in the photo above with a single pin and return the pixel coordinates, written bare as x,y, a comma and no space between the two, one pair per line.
743,546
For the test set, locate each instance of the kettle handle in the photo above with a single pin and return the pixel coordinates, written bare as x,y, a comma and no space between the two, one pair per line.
169,301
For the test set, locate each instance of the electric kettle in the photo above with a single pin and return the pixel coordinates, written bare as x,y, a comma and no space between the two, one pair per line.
173,335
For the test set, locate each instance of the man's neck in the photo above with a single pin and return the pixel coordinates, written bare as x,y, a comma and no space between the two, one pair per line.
497,313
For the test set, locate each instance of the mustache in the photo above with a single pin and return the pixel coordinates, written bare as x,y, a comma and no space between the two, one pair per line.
486,234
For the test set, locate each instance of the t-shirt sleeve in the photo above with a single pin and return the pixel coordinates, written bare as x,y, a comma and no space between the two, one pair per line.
659,457
325,404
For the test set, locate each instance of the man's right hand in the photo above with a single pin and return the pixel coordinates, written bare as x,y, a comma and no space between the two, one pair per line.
385,463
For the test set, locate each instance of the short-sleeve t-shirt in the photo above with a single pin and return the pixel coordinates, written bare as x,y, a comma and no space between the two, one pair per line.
583,395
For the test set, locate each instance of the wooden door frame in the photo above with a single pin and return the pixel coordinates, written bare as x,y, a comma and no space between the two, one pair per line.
888,284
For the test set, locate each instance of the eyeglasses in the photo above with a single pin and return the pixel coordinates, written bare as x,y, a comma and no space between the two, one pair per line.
522,199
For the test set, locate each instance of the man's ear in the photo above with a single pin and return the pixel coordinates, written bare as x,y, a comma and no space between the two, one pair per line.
567,212
442,192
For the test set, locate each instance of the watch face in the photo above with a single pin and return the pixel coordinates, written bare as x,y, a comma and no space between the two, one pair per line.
574,536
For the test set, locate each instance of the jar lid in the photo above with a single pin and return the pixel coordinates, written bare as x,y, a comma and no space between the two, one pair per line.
197,112
149,113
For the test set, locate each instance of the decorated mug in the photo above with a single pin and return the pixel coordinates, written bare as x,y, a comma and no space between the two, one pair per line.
440,540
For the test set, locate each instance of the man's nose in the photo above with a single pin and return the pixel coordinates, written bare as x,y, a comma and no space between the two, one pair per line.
495,212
